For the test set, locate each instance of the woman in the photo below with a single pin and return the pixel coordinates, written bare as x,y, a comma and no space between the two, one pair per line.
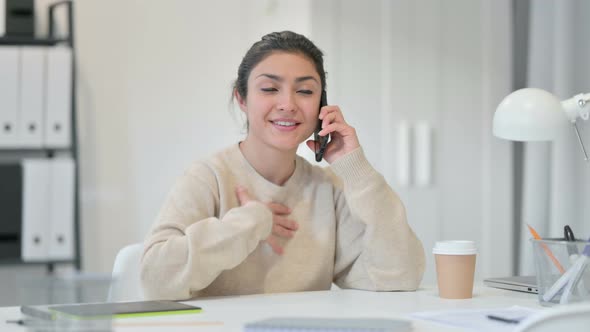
257,218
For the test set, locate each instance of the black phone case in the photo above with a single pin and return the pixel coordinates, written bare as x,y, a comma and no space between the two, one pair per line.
321,141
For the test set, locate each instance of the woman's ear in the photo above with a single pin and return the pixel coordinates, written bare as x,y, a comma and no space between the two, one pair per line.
241,101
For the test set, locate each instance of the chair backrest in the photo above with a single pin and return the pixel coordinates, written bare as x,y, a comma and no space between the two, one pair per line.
574,317
126,281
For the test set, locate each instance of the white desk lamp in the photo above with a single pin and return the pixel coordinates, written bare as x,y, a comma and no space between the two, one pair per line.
536,115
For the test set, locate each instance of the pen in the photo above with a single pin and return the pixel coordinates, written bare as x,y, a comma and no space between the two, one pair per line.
504,320
25,322
547,250
34,324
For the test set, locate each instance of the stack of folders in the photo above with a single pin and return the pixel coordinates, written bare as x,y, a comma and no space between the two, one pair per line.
300,324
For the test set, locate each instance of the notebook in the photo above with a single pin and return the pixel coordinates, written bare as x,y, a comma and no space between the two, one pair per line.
105,309
300,324
526,284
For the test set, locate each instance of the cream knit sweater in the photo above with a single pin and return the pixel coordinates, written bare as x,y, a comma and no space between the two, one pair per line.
352,231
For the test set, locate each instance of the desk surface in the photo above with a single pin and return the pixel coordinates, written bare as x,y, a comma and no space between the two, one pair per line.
231,313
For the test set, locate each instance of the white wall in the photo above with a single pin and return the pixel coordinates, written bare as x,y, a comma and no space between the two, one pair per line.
555,174
154,82
154,88
446,66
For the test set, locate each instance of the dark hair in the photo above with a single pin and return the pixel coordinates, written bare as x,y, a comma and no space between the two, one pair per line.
284,41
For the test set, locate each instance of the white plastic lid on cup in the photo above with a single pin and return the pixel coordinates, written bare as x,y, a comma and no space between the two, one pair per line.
454,248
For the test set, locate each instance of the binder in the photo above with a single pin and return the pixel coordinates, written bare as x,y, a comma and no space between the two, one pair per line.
61,209
9,76
35,221
58,92
2,17
11,203
31,97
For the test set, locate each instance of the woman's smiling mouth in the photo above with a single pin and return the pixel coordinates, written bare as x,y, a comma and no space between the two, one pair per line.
285,124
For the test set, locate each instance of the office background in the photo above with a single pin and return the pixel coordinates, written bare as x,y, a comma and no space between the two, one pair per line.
418,79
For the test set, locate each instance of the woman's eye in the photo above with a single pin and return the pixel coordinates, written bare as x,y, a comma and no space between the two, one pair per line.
268,89
307,92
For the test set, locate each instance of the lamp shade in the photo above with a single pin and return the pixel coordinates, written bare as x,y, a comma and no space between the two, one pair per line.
529,115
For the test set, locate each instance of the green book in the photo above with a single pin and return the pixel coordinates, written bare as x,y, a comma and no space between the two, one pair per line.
109,309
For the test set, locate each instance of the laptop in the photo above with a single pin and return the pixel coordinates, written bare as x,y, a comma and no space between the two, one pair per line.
527,284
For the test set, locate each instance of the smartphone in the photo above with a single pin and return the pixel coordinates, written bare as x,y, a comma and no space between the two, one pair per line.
320,141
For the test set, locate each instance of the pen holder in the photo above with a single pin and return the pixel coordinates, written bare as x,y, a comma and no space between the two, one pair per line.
563,274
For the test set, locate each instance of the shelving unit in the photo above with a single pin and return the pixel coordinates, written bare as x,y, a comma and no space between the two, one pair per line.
45,152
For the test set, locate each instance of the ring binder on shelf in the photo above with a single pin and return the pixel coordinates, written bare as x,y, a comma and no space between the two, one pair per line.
31,96
58,106
9,78
35,183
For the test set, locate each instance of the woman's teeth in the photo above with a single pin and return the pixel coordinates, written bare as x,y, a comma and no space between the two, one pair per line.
284,123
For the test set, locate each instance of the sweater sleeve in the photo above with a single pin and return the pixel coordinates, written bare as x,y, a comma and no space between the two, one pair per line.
375,247
188,247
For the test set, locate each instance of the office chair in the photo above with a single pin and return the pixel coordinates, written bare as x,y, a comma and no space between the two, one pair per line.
573,317
126,284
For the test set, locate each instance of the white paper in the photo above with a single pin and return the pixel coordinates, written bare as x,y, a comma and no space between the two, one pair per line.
477,319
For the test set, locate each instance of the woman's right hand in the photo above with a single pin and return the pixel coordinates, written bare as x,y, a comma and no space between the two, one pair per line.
282,227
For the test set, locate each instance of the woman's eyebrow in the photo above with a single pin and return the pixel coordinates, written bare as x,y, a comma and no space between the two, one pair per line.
280,79
305,78
271,76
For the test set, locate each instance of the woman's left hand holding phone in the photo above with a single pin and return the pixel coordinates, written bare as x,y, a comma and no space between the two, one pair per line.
282,226
343,138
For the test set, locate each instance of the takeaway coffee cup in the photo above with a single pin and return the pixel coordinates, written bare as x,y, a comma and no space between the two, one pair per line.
455,268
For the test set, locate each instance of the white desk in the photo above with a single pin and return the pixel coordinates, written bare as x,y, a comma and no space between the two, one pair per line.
231,313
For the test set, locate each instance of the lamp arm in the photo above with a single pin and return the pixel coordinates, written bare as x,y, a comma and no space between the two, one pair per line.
581,142
578,107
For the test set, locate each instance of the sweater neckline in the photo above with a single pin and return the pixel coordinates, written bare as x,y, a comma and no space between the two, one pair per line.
292,182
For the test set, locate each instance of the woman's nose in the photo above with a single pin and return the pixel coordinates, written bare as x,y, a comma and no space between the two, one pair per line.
286,102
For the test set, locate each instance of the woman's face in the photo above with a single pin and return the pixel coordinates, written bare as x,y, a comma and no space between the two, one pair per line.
282,104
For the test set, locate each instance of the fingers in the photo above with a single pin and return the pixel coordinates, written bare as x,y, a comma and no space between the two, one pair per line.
274,244
243,195
286,223
311,145
281,228
332,121
278,208
282,231
331,118
335,110
339,127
